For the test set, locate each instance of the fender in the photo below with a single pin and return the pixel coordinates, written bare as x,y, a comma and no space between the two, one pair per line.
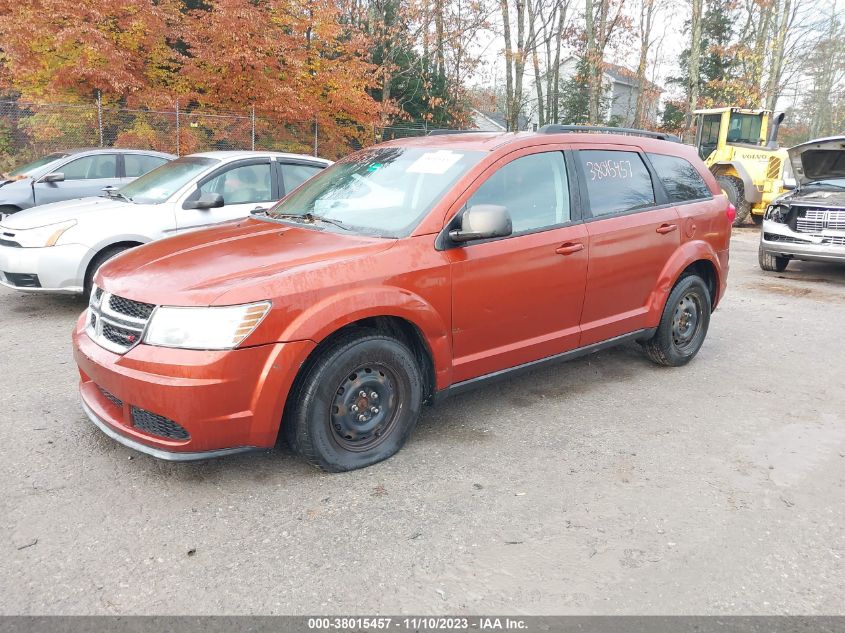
329,315
752,194
685,255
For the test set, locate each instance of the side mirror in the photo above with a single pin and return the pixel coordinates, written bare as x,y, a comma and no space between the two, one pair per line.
56,176
205,201
481,222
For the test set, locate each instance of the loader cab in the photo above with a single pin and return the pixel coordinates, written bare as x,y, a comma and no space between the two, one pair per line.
718,128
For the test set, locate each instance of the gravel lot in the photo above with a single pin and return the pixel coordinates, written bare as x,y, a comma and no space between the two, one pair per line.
605,485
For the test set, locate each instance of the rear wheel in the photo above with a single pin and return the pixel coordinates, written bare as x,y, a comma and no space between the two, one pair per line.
356,404
683,326
770,262
735,191
101,258
7,209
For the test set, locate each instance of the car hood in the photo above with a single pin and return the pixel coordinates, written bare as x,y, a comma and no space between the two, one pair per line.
60,211
815,196
228,264
821,159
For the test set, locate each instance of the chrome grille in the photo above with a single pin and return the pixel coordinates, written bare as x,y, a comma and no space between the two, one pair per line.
117,323
834,241
816,220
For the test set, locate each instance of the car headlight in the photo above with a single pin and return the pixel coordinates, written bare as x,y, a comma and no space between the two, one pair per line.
776,213
43,235
223,327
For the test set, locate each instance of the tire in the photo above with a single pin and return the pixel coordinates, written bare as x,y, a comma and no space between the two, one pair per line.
770,262
757,219
683,325
99,259
735,191
321,422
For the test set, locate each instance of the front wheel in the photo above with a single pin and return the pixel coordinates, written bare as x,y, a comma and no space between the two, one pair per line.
735,191
771,263
356,404
683,325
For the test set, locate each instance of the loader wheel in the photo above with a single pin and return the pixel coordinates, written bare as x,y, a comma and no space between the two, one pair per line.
735,191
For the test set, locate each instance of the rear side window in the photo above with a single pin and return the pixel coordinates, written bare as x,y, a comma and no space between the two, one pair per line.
139,164
681,180
294,175
617,181
533,188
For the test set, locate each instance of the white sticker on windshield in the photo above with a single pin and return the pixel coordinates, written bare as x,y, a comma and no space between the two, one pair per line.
434,162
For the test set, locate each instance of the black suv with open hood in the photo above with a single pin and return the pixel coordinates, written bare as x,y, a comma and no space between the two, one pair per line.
809,222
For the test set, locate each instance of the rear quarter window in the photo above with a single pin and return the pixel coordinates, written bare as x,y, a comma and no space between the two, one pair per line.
680,178
617,181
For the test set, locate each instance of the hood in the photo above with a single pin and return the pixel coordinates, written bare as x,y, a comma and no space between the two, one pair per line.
199,267
61,211
814,197
821,159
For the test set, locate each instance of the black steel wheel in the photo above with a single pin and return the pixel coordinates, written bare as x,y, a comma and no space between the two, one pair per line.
356,401
683,324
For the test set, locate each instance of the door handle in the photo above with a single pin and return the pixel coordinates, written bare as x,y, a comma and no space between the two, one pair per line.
663,229
569,248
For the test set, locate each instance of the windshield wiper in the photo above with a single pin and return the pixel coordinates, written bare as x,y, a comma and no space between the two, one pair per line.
113,193
310,217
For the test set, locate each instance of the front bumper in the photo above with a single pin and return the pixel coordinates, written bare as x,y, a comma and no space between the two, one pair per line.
225,401
779,239
59,269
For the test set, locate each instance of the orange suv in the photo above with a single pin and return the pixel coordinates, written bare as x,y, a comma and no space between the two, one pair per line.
406,272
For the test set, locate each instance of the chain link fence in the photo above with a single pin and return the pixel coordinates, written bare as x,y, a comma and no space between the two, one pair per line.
30,130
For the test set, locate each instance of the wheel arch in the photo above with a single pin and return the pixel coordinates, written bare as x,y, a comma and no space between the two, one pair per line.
692,257
94,253
737,169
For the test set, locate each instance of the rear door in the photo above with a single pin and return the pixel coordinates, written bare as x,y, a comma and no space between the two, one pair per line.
294,173
518,299
135,165
246,185
84,176
633,231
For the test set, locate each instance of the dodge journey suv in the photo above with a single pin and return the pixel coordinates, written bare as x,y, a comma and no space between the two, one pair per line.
406,272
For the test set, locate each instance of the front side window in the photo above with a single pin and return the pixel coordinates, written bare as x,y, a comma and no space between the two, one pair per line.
158,185
242,185
681,180
135,165
534,189
91,167
617,181
294,175
382,191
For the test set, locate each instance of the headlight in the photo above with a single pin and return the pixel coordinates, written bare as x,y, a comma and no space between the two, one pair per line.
204,328
776,213
43,235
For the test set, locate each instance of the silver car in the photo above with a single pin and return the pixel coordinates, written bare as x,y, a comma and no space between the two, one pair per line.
76,173
808,223
58,247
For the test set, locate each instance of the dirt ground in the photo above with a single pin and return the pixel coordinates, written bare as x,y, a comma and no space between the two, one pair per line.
605,485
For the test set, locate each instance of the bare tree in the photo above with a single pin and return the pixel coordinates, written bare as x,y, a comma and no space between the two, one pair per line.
694,58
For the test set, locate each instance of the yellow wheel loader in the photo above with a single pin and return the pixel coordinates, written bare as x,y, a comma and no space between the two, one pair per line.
740,148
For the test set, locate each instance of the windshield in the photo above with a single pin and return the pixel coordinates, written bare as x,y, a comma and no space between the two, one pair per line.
26,170
382,191
162,182
745,128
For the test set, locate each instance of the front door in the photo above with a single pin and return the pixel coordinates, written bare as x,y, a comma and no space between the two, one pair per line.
86,176
245,186
518,299
632,235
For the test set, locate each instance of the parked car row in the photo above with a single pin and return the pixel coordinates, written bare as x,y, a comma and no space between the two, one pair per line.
58,247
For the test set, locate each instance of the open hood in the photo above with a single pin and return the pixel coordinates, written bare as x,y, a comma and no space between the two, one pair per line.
821,159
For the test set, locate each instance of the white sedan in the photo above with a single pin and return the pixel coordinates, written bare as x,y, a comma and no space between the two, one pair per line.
58,247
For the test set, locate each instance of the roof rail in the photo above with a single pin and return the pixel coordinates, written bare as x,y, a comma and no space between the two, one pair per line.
444,132
557,129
